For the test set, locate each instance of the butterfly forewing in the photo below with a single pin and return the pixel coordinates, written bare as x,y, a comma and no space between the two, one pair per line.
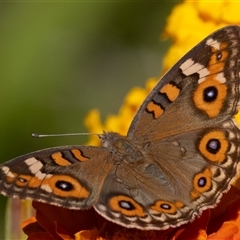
64,176
201,90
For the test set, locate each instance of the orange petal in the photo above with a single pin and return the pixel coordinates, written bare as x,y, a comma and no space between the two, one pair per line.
63,232
228,231
231,212
87,235
195,229
227,198
31,226
72,220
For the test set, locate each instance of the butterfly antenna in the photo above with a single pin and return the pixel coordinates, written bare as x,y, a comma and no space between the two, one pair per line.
37,135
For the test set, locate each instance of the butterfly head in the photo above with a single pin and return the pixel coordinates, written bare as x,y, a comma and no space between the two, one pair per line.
122,146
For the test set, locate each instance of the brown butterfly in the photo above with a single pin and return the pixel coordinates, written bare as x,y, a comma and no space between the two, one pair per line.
179,156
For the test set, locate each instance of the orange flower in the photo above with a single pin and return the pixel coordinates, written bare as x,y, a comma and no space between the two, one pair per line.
53,222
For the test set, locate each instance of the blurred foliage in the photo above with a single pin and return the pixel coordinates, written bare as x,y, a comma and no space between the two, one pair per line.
61,59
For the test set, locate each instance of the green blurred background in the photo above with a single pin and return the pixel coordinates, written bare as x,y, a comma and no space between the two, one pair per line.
61,59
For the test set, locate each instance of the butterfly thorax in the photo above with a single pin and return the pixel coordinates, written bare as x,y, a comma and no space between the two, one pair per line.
121,146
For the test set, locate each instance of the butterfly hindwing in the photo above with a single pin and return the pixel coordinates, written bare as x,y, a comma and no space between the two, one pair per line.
175,181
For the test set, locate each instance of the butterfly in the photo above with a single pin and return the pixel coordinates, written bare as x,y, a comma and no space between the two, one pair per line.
179,156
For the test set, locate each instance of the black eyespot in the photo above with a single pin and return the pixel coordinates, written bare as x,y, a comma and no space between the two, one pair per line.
165,206
64,186
219,56
126,205
202,182
213,145
210,94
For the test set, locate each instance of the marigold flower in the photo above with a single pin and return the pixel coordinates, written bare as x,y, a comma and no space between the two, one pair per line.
53,223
